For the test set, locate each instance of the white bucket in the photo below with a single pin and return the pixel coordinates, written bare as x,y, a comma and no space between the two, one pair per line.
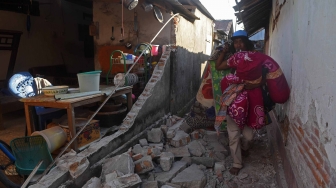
89,81
54,136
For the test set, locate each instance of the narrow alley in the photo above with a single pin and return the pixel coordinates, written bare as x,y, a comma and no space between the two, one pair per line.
167,94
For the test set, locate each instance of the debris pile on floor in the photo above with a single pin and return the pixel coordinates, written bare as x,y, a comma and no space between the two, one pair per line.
171,157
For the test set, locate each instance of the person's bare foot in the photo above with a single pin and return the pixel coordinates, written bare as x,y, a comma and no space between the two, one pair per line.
234,171
245,153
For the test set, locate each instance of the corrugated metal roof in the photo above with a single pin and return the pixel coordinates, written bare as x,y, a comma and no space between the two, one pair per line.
199,6
224,25
181,9
254,14
177,7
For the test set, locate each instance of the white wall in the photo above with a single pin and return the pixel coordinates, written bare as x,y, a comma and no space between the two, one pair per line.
302,42
53,34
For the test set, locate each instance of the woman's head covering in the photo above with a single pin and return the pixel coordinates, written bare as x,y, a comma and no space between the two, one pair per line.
239,34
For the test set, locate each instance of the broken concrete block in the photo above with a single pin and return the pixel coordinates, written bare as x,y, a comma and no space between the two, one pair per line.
176,125
166,160
206,161
156,152
187,159
155,135
143,142
209,147
202,167
144,165
218,147
191,177
150,184
70,161
93,183
219,166
211,136
171,185
159,146
171,133
202,142
181,139
77,168
196,149
219,156
128,180
122,163
76,165
185,127
151,176
137,157
111,176
56,176
180,152
147,151
165,177
195,135
137,149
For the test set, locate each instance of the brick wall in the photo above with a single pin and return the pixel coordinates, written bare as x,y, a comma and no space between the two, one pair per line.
309,156
292,44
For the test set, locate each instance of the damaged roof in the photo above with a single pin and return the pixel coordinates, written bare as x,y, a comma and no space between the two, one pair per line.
178,6
199,6
223,25
254,14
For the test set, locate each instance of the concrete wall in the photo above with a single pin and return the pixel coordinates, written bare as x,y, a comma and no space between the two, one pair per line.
109,14
192,39
301,41
53,38
194,42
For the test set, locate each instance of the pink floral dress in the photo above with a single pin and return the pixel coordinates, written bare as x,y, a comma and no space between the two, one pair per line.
247,107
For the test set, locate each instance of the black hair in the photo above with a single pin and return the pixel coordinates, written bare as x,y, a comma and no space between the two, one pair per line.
247,42
232,48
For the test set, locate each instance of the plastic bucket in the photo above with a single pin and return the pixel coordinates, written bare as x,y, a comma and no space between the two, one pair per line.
89,81
155,49
54,136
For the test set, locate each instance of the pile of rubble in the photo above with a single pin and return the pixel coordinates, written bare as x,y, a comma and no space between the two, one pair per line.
171,157
168,158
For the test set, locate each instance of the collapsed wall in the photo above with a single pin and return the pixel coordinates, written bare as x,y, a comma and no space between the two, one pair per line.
149,110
